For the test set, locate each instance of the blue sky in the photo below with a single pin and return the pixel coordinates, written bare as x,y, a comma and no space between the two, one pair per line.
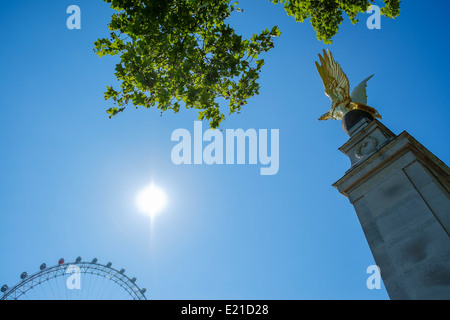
69,176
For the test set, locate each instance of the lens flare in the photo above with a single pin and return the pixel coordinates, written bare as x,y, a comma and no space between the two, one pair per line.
151,200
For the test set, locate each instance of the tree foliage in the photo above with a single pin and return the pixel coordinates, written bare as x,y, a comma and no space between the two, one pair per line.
182,53
327,15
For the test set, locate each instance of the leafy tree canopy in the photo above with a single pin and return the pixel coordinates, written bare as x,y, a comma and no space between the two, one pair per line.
327,15
181,52
176,53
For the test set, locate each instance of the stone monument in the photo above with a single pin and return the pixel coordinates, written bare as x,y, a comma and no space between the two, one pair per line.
400,192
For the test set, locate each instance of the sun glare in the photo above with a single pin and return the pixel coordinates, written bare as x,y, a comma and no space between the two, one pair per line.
151,200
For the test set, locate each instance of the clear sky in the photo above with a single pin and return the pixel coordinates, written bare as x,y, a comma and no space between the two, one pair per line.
69,176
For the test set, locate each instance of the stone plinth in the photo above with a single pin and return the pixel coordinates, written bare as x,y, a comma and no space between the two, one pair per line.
401,194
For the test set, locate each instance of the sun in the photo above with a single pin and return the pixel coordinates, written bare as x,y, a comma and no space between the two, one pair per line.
151,200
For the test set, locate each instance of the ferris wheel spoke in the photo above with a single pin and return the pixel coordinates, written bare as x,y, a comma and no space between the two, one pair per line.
107,288
63,286
44,295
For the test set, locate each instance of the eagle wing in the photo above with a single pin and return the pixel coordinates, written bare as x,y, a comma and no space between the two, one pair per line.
359,94
334,79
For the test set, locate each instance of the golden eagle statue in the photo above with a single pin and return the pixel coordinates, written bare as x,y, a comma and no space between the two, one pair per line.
337,88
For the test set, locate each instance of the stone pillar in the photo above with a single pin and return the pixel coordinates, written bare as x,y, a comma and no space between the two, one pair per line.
401,195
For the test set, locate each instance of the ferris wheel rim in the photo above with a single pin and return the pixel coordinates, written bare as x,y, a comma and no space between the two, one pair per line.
86,267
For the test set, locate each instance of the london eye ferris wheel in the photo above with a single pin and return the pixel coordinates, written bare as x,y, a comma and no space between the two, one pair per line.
78,280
